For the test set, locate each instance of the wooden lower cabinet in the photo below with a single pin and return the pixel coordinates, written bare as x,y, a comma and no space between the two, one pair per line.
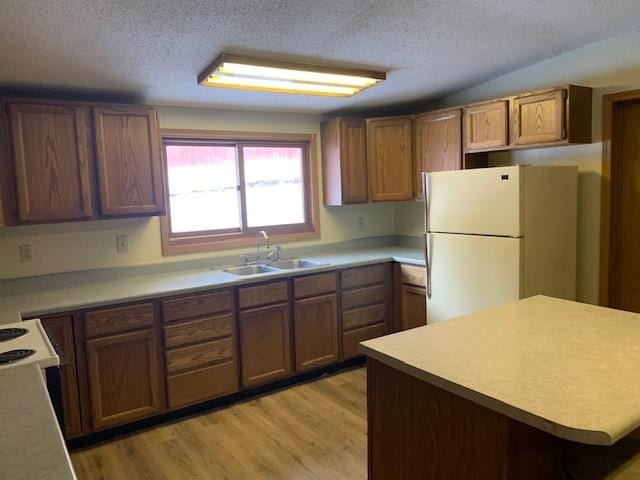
60,330
414,307
316,332
124,377
133,361
199,347
410,296
366,303
265,344
202,384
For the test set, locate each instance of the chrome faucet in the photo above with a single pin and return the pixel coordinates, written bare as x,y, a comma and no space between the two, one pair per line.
261,234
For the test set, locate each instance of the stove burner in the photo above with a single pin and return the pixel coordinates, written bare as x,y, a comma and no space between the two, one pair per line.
11,333
15,355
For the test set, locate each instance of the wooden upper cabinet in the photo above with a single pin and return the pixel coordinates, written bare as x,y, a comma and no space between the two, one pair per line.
438,143
129,162
51,153
390,158
344,161
539,117
486,125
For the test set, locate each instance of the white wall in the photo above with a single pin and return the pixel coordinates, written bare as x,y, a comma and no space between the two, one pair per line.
88,245
609,66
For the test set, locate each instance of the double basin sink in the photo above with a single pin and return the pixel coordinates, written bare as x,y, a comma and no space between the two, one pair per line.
297,264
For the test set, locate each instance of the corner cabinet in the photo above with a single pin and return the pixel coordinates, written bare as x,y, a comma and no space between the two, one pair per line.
438,143
390,158
129,162
51,153
410,292
344,161
70,161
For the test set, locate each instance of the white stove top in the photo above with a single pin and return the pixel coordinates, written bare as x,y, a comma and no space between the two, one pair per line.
35,339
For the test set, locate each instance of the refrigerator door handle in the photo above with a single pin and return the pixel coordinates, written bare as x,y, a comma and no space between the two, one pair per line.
427,262
426,192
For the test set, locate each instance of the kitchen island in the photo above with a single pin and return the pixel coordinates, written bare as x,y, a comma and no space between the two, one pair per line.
499,393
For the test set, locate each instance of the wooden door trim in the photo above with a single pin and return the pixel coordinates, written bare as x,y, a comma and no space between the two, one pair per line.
610,189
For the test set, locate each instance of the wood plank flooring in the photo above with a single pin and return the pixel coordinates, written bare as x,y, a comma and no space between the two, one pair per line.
315,430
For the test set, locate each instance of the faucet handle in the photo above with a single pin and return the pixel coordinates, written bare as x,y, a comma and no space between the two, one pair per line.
245,259
274,256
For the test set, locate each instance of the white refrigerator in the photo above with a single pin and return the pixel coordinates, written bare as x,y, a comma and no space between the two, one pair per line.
496,235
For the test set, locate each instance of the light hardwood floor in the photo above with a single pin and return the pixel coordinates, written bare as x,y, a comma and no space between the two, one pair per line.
315,430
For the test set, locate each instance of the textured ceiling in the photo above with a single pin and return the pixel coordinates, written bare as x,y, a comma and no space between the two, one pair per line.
155,48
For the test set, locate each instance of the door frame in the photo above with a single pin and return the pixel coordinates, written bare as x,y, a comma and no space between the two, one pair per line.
611,118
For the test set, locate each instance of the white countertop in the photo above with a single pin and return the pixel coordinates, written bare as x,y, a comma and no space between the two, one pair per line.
567,368
60,298
31,445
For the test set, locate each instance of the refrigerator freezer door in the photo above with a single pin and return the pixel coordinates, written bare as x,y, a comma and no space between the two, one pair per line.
483,201
471,272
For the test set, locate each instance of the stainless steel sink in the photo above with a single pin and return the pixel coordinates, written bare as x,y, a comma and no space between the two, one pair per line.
297,263
250,269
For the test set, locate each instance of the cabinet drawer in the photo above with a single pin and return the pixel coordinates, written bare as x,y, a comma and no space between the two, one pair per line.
413,275
365,316
365,296
357,277
197,305
199,330
202,384
314,285
198,355
351,339
264,294
99,323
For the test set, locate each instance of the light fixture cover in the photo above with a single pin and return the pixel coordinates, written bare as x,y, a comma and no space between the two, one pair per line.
246,73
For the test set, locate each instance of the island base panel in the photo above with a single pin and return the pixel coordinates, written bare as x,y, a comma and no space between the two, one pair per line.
419,431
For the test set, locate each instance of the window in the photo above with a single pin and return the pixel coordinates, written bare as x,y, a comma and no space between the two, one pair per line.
222,189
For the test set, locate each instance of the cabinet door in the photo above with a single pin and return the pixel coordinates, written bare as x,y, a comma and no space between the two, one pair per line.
316,332
353,153
60,329
128,155
539,118
124,377
438,144
414,306
265,344
486,126
51,154
344,161
390,158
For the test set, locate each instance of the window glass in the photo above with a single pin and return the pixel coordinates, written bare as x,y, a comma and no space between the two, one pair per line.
274,185
203,188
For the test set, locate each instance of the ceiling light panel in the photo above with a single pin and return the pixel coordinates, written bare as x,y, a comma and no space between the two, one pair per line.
232,71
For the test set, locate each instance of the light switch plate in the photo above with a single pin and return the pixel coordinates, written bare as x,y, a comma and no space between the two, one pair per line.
122,244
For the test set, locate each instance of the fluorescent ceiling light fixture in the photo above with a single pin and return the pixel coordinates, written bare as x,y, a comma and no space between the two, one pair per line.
246,73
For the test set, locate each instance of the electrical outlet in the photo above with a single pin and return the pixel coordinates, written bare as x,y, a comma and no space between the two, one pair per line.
25,253
122,244
361,223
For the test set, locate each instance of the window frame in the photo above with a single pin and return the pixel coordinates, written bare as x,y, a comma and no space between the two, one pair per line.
206,241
